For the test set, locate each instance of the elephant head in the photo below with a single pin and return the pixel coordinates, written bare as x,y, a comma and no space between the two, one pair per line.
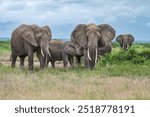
38,37
108,33
86,37
125,40
69,48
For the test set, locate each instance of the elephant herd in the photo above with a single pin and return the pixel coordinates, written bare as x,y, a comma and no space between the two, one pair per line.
87,40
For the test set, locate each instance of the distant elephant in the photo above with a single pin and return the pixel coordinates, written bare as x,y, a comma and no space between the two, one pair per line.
27,39
125,41
60,51
89,39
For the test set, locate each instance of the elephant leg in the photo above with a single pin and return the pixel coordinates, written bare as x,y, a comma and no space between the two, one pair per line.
65,61
86,59
40,58
78,60
22,62
13,60
30,60
47,63
53,64
71,61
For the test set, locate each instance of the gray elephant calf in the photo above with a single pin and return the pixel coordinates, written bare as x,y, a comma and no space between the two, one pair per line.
125,40
61,51
73,51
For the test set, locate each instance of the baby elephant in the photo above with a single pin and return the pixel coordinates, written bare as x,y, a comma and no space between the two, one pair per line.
125,40
73,51
60,51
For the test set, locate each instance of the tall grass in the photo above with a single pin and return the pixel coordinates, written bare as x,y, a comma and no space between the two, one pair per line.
119,75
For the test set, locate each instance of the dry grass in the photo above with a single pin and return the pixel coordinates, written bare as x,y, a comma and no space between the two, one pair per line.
109,82
33,86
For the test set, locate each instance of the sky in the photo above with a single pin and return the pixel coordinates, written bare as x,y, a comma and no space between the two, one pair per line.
125,16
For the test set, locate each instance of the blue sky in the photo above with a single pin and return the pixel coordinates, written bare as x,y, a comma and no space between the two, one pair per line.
126,16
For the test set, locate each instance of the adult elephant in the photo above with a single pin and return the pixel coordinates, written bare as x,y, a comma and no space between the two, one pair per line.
27,39
125,41
89,39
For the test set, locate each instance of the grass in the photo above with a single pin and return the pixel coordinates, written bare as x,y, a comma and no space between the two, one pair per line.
108,80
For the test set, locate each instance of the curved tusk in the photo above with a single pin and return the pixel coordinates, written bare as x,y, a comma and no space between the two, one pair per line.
89,55
96,56
49,53
42,52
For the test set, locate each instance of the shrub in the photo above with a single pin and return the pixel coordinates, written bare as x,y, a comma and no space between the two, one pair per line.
130,56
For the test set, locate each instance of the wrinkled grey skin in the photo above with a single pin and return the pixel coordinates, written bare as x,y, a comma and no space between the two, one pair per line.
125,41
70,50
91,40
61,51
27,39
108,33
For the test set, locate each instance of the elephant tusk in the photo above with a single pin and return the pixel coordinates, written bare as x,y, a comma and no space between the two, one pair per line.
96,56
42,52
49,53
89,55
127,46
123,46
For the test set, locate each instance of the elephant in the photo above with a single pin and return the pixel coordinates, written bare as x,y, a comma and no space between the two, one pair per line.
91,40
61,50
125,41
28,39
70,50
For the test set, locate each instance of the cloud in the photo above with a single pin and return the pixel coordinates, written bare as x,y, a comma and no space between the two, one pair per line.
60,14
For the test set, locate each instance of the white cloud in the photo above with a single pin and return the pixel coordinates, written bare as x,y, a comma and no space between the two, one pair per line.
71,12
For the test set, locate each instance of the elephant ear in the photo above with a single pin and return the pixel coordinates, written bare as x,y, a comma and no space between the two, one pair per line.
131,38
78,35
119,38
28,35
69,49
48,31
107,31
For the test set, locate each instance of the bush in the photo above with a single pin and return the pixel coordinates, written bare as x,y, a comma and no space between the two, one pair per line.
130,56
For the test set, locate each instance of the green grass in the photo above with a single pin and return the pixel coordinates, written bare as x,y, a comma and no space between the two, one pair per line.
121,75
4,46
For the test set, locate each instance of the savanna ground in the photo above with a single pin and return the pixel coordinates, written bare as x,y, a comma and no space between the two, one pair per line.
121,75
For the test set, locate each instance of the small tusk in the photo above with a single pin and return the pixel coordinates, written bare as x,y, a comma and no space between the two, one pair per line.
42,52
89,55
127,46
123,46
96,56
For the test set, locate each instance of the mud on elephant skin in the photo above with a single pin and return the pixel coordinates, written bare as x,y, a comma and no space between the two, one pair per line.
61,50
91,38
125,40
27,39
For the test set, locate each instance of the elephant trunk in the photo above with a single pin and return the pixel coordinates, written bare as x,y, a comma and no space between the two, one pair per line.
45,53
92,56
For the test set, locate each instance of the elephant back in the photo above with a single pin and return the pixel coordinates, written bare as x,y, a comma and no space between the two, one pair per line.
59,44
